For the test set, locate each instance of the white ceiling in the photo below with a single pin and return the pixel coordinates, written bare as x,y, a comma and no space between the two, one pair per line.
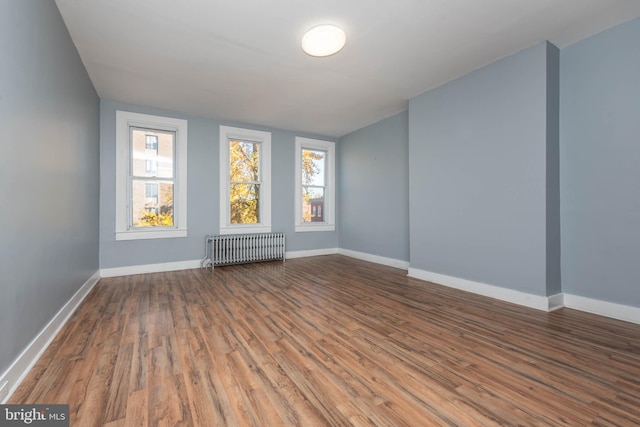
241,60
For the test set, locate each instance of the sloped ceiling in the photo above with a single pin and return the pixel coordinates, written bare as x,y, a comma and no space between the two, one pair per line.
241,60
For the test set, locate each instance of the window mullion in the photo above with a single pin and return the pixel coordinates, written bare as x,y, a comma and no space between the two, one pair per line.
245,182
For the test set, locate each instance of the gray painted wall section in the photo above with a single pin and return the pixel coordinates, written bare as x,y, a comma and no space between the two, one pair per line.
374,189
600,165
49,163
477,175
203,193
554,276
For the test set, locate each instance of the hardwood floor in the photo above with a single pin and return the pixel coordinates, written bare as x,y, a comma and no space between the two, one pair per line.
330,341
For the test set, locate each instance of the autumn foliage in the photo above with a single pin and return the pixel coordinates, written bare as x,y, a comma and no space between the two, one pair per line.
151,219
244,181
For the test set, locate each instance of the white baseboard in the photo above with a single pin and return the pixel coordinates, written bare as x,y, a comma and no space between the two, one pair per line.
30,355
556,301
391,262
603,308
186,265
149,268
311,252
538,302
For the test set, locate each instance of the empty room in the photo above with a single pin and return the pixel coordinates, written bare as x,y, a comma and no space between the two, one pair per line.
342,213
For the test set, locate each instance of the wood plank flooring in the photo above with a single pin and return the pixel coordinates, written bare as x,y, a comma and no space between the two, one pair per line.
330,341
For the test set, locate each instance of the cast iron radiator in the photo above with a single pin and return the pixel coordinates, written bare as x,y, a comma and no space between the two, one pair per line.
242,248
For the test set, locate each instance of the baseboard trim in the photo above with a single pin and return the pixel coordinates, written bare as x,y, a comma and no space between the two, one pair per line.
504,294
30,355
556,301
149,268
187,265
391,262
603,308
311,252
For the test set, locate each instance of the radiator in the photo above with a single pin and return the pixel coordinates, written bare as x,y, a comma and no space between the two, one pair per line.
243,248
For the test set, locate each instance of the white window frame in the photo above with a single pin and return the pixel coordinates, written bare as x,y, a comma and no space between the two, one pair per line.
124,229
330,185
264,138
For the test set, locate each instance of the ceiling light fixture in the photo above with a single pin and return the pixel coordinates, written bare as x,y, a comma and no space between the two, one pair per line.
323,40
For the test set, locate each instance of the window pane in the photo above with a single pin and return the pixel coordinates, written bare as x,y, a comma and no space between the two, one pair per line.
313,167
152,153
244,203
151,194
312,204
244,161
152,203
152,143
151,166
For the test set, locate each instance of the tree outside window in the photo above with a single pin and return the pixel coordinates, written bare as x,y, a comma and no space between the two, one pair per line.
244,182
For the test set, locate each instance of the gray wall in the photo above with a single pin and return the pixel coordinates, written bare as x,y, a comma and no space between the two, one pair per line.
49,163
478,175
600,165
203,193
374,189
554,276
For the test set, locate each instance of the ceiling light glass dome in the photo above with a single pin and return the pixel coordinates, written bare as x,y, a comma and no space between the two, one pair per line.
323,40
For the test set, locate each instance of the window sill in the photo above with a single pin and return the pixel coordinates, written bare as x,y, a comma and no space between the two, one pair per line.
320,227
150,234
245,229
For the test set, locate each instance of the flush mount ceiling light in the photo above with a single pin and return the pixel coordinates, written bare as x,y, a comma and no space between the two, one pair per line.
323,40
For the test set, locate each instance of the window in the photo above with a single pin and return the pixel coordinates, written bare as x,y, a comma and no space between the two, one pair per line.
151,153
315,185
151,143
151,195
150,166
245,181
151,176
